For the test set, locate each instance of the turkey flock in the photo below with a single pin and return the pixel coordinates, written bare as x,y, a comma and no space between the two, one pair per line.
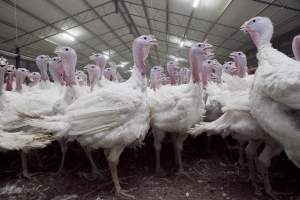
97,109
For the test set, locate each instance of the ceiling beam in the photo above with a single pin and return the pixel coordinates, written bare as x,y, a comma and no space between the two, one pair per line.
149,26
134,26
63,11
181,14
278,27
181,26
61,20
227,5
159,31
235,32
107,24
277,5
39,19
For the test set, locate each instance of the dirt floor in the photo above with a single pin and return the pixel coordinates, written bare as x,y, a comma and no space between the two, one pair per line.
210,176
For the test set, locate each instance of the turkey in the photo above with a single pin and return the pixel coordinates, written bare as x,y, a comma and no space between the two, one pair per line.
56,70
274,96
155,77
35,79
237,120
175,109
21,74
17,140
42,64
83,77
94,73
10,72
296,47
101,61
112,118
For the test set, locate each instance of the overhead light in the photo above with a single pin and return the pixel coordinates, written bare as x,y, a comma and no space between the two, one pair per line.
67,36
196,3
106,56
181,43
123,64
177,58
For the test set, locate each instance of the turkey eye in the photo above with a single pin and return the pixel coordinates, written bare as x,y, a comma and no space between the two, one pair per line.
42,57
254,20
209,62
145,38
199,45
230,63
67,49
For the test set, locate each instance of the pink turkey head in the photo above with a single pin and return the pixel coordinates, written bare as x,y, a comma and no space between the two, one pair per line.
260,30
93,74
113,73
35,77
218,70
21,74
230,68
240,60
79,80
155,77
82,75
69,59
198,53
140,49
208,71
42,63
107,73
171,65
99,59
56,70
296,47
10,71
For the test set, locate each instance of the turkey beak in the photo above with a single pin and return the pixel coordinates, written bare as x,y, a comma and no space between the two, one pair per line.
56,51
232,55
208,47
154,42
244,27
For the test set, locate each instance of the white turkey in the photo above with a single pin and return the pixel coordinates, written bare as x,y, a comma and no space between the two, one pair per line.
175,109
112,118
274,96
237,120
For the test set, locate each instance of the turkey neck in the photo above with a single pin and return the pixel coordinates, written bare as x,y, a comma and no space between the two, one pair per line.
19,81
172,77
9,81
138,58
240,67
2,73
197,63
101,65
69,65
296,48
44,74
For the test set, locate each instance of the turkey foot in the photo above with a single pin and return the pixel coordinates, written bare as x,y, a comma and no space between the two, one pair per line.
123,193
